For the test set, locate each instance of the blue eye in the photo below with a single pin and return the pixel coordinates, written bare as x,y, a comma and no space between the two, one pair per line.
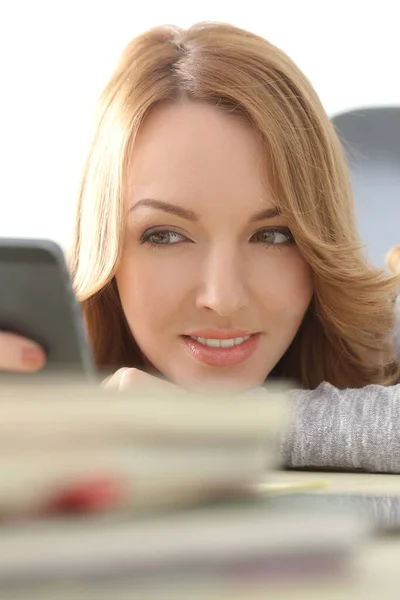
162,237
273,236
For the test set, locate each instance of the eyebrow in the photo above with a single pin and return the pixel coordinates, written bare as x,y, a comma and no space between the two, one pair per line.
184,213
172,209
267,213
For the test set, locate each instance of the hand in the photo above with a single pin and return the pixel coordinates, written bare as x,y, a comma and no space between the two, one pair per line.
127,378
19,355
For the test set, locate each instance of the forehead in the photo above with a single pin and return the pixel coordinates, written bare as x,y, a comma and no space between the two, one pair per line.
193,153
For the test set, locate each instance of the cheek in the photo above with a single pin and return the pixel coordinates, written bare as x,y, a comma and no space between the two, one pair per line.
288,288
152,288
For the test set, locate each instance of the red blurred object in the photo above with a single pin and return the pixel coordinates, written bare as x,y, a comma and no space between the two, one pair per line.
91,495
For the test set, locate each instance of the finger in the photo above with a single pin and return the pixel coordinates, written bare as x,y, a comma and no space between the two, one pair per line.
134,378
18,354
106,381
113,381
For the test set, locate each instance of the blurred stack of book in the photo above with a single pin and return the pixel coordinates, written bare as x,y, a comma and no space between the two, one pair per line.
111,493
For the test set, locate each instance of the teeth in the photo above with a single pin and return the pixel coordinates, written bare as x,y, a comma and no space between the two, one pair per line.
229,343
213,343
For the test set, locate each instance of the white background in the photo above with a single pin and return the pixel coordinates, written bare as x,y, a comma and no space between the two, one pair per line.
55,56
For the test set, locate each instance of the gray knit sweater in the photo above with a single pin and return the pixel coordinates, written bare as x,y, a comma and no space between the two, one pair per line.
346,429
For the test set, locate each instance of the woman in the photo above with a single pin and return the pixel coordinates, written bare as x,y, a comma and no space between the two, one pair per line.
215,240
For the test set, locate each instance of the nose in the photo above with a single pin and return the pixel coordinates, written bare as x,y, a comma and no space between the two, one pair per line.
223,287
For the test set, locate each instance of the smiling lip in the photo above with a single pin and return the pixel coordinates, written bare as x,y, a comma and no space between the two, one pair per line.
219,334
217,356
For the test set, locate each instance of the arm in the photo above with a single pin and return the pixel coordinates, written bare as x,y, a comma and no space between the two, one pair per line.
345,429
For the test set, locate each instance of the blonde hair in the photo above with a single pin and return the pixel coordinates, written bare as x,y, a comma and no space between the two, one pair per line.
393,260
344,338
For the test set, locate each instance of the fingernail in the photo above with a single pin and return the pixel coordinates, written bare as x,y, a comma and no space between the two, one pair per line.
32,356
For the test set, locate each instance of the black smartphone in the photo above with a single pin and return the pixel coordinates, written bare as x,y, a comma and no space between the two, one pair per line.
37,301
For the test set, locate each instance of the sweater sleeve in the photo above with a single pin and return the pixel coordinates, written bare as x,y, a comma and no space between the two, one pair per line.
346,429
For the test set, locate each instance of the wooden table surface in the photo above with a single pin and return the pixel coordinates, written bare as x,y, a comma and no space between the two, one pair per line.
335,482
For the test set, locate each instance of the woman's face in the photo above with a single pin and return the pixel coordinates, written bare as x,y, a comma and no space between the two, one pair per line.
211,282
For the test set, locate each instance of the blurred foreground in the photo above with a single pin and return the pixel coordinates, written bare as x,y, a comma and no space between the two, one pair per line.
106,494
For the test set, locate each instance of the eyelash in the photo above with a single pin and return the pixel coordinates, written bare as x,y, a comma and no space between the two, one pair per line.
147,235
282,230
